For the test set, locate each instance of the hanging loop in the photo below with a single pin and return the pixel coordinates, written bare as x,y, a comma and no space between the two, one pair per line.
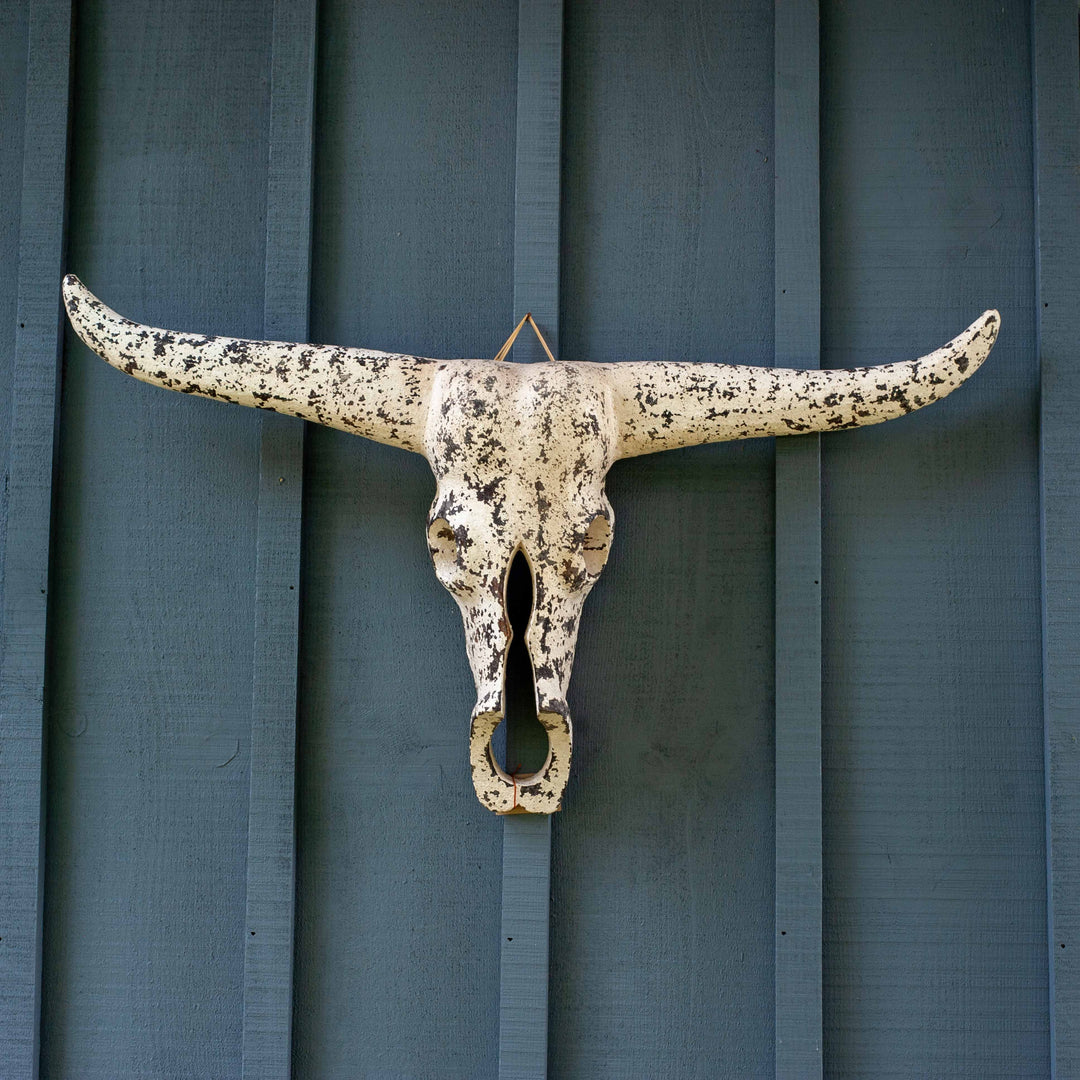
501,355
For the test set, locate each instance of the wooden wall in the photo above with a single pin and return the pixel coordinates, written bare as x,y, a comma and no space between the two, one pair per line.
181,578
935,916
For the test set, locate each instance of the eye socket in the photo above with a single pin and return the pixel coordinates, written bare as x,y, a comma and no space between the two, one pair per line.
597,544
442,543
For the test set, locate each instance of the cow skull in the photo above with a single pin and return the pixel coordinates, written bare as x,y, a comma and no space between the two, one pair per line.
520,453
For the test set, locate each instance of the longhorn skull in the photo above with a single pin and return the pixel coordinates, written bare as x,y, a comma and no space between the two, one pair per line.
520,453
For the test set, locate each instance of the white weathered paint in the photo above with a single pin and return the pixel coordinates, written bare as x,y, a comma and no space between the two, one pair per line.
520,454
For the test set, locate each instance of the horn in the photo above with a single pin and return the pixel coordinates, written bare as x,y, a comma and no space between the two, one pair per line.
381,396
661,406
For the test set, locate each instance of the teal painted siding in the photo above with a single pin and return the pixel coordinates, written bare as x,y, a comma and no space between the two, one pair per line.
415,104
662,908
151,643
158,801
933,742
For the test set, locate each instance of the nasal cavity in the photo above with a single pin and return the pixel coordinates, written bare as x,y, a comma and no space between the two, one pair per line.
526,739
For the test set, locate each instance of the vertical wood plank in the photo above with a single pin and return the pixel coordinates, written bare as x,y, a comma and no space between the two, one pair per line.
662,904
536,196
798,552
27,540
414,199
152,609
934,868
523,1002
1056,71
271,861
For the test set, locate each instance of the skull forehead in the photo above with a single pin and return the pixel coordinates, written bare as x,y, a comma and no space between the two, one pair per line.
527,437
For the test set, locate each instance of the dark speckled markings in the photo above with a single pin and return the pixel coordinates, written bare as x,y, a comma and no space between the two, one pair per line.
520,454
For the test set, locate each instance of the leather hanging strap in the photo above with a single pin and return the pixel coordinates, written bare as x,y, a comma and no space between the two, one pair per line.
517,330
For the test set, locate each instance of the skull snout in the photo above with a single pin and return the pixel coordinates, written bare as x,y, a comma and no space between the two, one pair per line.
516,642
519,673
538,793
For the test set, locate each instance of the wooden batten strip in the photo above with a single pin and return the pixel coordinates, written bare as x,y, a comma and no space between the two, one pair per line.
271,861
523,987
1056,74
523,994
536,194
35,399
798,970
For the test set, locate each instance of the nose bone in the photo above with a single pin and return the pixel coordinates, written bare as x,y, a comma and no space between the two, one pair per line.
504,793
538,793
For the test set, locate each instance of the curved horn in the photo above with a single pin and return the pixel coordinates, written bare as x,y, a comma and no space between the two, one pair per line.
379,395
661,406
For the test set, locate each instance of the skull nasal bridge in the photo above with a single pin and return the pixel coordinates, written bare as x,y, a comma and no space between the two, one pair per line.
521,526
526,743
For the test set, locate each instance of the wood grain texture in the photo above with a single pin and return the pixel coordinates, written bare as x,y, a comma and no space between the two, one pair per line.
1057,161
150,683
526,885
934,900
13,37
935,920
537,173
397,966
34,384
662,907
797,298
523,984
271,857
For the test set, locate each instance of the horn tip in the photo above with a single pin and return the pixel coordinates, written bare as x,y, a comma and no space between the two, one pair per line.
990,324
981,334
72,288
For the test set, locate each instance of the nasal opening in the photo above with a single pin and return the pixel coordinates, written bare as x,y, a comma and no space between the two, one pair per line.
526,739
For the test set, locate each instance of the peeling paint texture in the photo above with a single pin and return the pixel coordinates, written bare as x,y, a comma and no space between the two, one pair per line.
520,454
